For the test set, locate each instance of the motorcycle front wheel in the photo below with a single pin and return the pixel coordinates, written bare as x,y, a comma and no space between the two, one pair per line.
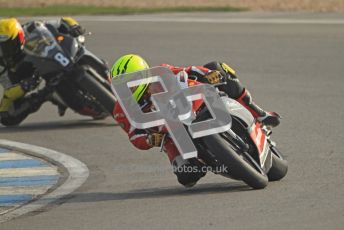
90,81
239,165
279,166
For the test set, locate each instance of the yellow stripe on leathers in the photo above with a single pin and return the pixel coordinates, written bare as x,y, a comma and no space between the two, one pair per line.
10,95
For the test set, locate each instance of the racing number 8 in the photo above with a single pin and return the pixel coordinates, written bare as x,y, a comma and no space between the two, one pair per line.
61,59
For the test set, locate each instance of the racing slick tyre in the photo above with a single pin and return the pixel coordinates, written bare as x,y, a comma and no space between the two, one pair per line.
279,166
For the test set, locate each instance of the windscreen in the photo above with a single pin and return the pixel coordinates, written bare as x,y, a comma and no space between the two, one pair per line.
39,41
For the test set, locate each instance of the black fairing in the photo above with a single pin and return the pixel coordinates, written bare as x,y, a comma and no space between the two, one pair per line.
85,57
61,60
69,44
45,66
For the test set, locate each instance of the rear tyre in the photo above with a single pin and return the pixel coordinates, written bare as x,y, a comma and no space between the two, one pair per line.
239,165
13,121
279,166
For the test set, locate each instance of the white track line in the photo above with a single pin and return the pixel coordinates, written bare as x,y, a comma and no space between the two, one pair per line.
13,156
11,172
24,190
78,173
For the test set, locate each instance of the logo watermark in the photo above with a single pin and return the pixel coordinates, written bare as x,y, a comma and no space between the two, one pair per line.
202,169
173,107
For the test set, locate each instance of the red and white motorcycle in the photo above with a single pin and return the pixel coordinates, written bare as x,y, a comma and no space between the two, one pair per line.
245,150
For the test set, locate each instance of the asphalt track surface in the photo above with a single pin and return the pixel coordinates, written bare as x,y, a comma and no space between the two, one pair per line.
293,68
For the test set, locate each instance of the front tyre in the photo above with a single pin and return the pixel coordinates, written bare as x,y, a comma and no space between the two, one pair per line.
12,121
279,166
239,165
89,80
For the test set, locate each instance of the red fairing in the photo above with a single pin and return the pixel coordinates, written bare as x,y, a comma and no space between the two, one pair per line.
258,137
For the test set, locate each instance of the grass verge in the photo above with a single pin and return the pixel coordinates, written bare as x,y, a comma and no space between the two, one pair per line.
95,10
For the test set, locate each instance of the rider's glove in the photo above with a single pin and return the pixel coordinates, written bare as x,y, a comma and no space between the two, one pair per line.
71,26
77,30
155,139
214,77
29,84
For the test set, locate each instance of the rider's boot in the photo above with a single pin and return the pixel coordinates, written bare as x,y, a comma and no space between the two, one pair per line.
188,172
271,119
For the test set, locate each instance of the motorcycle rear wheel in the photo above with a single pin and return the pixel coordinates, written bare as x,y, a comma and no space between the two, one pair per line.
10,122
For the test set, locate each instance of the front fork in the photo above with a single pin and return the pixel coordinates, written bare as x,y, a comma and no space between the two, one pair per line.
56,100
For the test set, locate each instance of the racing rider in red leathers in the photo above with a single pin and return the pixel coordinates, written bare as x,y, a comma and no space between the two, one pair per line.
211,73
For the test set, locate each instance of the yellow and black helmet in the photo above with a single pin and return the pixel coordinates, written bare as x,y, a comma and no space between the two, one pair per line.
128,64
12,38
71,26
